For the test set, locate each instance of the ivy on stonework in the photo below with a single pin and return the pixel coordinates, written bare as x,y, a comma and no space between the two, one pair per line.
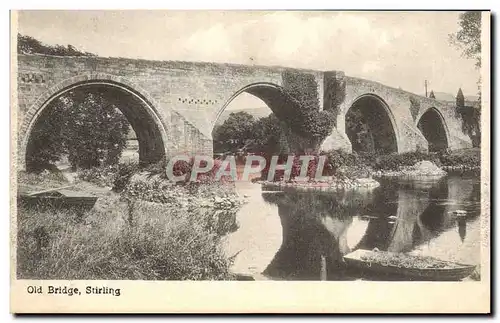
300,107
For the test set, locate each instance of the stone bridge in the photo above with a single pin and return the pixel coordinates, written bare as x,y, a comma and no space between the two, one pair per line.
173,106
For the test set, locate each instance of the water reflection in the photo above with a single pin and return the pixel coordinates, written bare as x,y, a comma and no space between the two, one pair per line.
317,229
462,228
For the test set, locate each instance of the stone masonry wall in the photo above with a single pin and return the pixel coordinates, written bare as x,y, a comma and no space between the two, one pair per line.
186,98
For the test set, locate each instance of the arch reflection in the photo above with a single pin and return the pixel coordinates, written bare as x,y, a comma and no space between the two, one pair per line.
319,228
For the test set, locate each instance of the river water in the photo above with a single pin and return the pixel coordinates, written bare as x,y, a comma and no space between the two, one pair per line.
303,236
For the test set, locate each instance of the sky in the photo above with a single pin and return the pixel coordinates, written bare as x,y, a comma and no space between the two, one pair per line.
399,49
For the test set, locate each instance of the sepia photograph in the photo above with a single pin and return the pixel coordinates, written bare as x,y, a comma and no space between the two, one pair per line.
339,147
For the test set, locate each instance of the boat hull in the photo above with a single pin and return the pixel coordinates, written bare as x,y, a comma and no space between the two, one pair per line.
439,274
83,203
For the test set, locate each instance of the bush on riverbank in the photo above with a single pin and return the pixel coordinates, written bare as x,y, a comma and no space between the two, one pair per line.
340,158
296,168
118,176
161,243
422,168
354,163
396,161
338,164
465,158
100,176
214,203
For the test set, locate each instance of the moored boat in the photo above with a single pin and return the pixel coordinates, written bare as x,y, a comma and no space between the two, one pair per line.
408,266
59,198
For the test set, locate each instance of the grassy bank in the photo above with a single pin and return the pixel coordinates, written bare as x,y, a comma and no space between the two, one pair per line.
159,243
151,230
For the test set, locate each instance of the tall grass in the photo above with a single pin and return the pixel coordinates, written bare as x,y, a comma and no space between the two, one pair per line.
147,242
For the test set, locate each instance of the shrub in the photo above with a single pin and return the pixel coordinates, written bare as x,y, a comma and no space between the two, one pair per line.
296,167
157,189
119,175
182,167
123,176
339,158
314,164
471,123
468,158
396,161
100,176
157,168
353,172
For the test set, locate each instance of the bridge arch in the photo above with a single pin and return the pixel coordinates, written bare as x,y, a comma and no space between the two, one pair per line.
141,112
261,94
433,126
370,125
269,93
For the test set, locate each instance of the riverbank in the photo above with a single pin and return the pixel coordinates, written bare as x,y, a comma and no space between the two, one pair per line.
114,242
326,185
409,164
353,172
421,169
152,230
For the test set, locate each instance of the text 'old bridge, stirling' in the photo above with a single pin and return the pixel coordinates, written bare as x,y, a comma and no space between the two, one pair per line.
173,106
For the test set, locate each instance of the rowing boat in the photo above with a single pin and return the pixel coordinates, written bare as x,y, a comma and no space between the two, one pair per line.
408,266
59,198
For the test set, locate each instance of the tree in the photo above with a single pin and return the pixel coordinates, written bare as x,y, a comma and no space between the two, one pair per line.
471,119
431,95
234,132
267,135
87,126
358,131
468,38
30,45
460,99
46,142
270,136
95,130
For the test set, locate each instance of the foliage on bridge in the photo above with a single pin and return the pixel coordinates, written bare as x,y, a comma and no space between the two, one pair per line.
414,107
471,123
300,107
335,89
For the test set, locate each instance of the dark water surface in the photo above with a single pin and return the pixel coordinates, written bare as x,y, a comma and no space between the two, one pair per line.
303,236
